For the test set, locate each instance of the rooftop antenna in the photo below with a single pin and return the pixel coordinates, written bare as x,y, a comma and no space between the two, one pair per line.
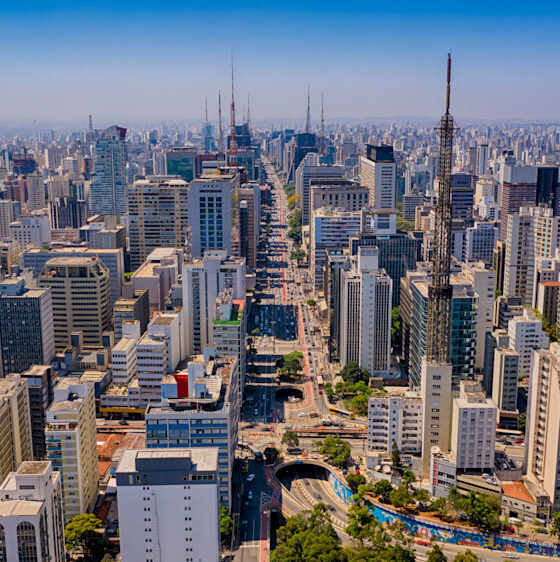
322,117
248,111
90,123
232,139
308,121
220,128
206,110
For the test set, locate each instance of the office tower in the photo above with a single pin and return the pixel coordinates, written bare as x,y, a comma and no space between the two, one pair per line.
366,314
26,326
35,259
378,172
58,186
480,241
532,233
473,429
158,524
504,383
41,380
525,335
329,228
548,188
481,159
203,280
396,418
547,300
494,340
9,255
463,326
53,157
32,230
81,298
410,203
7,216
133,305
194,410
518,189
506,308
72,444
124,354
295,150
31,514
249,222
15,424
462,196
181,161
109,179
337,263
338,193
483,280
157,209
310,167
67,212
398,251
542,452
213,211
230,330
35,192
104,235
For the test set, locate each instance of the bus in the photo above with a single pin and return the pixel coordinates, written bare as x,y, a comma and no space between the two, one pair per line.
320,382
256,453
313,414
340,412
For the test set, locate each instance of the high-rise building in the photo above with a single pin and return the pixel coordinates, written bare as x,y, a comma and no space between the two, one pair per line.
473,429
249,222
480,241
26,326
201,413
311,168
547,300
72,443
15,424
67,212
35,192
32,230
168,505
9,255
525,335
213,211
365,331
41,380
532,233
481,159
157,214
31,514
378,172
7,216
109,180
518,189
203,280
81,298
504,384
181,161
133,305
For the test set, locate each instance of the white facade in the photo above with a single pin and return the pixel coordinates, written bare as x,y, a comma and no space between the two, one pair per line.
31,514
167,327
395,419
152,364
526,334
168,505
381,179
33,230
6,217
123,354
473,429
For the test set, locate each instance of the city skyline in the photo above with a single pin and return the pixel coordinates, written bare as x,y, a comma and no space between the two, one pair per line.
133,62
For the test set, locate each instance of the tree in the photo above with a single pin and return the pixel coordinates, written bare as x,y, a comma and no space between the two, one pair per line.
396,332
395,455
355,480
421,495
555,524
329,392
518,525
382,488
436,554
400,496
311,303
404,224
408,478
80,533
352,373
226,524
522,421
255,332
290,439
298,255
271,454
467,556
337,450
359,404
291,364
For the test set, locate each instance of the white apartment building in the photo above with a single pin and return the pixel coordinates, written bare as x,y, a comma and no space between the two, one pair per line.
395,419
168,505
526,334
123,354
32,230
72,444
473,429
31,514
378,172
203,280
532,233
152,366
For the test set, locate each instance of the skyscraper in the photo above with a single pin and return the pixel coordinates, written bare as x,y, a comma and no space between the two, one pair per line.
378,172
157,208
519,189
109,180
181,161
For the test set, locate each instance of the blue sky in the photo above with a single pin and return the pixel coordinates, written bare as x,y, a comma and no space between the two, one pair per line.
157,61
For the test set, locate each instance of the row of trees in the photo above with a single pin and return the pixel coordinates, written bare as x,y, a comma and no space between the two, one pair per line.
291,365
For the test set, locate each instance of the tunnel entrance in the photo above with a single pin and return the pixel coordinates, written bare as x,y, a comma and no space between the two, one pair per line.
290,394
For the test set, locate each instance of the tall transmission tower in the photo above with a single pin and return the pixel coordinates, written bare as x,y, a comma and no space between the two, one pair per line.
90,123
308,120
248,112
232,138
220,128
440,291
322,143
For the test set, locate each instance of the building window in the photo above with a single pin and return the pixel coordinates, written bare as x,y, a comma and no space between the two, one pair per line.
27,544
3,556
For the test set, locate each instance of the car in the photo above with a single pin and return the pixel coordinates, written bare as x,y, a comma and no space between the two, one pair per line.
256,412
512,556
250,477
306,482
250,495
331,507
318,495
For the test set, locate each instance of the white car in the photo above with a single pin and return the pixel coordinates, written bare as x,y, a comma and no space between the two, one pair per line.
250,495
250,478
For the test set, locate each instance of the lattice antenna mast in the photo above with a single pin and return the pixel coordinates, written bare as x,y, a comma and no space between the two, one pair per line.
308,120
248,112
440,291
232,139
90,123
322,139
220,128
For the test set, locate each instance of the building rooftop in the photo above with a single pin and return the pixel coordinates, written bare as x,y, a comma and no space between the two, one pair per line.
203,459
163,320
518,491
33,467
16,508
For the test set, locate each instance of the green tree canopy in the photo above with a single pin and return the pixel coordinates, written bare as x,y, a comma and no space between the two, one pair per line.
395,455
311,303
400,496
355,481
290,439
436,554
337,450
291,364
226,524
352,373
298,255
467,556
555,524
382,488
80,533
